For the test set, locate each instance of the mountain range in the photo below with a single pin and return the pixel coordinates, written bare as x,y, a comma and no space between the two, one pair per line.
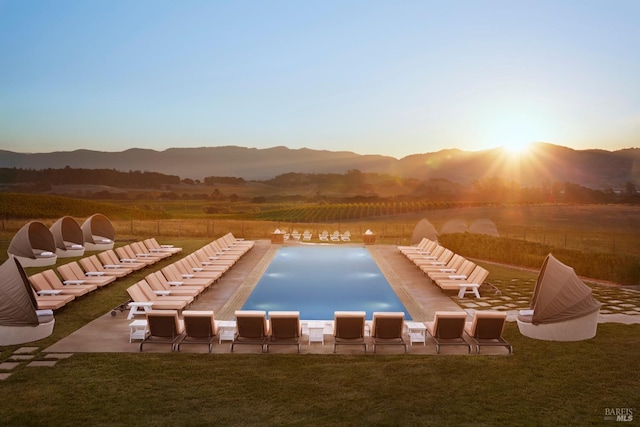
542,163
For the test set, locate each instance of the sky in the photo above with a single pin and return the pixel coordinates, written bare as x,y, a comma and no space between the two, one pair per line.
373,77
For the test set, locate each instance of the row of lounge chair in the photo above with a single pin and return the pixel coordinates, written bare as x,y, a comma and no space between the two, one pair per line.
53,290
177,285
306,236
446,269
349,328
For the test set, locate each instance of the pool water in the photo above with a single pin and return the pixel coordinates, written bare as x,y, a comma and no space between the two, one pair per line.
318,280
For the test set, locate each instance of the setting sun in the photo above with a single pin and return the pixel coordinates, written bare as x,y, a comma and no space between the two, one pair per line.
517,148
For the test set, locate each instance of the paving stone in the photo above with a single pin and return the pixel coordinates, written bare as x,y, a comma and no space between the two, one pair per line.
484,304
22,357
47,363
57,355
470,304
4,376
7,366
23,350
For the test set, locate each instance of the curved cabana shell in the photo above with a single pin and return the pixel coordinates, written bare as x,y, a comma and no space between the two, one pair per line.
68,237
20,322
562,307
33,245
454,226
423,229
98,233
484,226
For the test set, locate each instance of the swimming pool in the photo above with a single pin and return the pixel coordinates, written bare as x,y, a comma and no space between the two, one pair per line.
318,280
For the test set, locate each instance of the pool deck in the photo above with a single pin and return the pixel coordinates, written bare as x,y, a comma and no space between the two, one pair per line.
111,333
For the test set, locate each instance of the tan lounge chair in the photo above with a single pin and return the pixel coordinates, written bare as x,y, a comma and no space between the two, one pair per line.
49,280
110,258
174,277
474,281
285,328
387,329
251,328
73,272
127,253
348,328
486,329
164,328
153,246
93,264
158,282
200,328
447,329
159,303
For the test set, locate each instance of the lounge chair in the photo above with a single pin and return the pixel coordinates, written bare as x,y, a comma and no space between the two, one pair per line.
306,235
387,329
471,284
153,246
93,264
348,328
447,328
251,328
126,252
295,235
110,259
346,236
49,280
175,278
324,236
441,260
51,299
188,271
158,282
462,272
229,240
140,249
164,328
199,327
159,303
486,329
72,272
335,236
285,328
451,267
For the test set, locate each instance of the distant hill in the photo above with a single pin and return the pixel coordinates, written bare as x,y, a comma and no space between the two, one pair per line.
546,163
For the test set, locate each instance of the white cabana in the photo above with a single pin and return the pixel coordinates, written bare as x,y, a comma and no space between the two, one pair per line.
20,321
423,229
484,226
33,245
454,226
67,235
562,307
98,233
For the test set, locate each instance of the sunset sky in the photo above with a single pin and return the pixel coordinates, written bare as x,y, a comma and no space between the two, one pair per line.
383,77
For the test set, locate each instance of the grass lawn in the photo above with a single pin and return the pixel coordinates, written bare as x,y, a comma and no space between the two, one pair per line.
542,383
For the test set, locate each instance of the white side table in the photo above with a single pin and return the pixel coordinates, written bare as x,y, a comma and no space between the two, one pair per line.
417,332
138,330
227,330
138,308
469,288
316,332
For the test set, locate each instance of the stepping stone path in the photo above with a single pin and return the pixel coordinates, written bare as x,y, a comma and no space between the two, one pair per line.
516,294
27,355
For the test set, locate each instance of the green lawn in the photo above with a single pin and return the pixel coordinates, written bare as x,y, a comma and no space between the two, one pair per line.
542,383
